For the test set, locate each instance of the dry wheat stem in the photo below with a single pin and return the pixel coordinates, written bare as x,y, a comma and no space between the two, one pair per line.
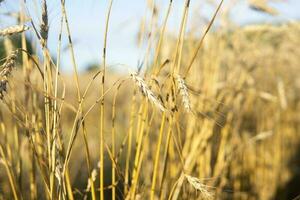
102,106
199,45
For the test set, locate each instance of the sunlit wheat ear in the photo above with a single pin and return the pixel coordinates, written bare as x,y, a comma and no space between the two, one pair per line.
198,185
183,91
5,72
13,30
146,91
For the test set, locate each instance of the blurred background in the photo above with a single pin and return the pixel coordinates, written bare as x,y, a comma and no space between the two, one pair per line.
87,24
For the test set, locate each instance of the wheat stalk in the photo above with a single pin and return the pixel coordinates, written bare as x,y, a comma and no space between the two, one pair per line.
13,30
183,91
140,82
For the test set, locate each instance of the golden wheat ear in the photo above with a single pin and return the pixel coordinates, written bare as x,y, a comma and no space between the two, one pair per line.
13,30
198,185
140,82
6,70
183,91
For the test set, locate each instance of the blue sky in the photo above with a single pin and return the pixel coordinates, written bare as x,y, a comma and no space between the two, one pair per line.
87,18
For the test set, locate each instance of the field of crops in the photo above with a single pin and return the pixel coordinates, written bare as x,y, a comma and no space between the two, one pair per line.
214,115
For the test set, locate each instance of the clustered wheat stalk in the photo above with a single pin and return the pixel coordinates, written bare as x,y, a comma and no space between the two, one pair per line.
153,144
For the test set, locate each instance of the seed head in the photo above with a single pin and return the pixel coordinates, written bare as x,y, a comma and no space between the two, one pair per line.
5,72
13,30
146,91
44,29
184,93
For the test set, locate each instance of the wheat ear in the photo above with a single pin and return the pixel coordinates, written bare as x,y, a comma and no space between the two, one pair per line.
140,82
198,185
13,30
5,72
44,28
183,91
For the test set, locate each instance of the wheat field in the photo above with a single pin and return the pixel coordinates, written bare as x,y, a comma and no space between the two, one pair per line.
214,116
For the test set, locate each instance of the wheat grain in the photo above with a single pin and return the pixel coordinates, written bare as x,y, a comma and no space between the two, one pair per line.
13,30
